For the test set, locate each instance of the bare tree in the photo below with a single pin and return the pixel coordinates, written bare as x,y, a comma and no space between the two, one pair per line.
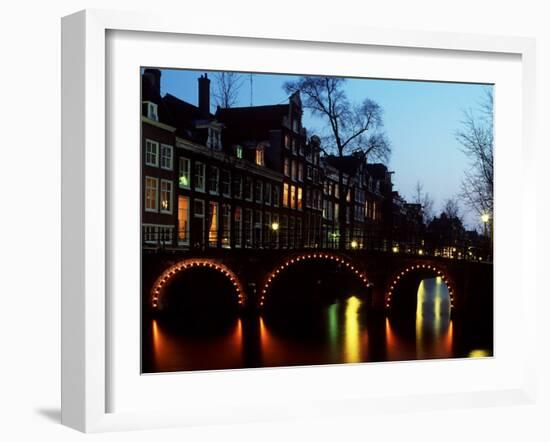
351,128
226,88
425,200
476,138
451,208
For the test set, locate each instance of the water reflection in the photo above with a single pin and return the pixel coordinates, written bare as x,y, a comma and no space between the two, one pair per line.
340,331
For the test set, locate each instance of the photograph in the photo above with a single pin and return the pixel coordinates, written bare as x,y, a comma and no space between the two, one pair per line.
296,219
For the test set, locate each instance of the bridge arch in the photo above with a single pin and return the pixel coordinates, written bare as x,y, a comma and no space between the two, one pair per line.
422,269
291,260
158,290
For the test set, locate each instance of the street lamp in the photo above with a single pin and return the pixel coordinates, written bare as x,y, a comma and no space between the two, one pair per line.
485,219
275,226
354,244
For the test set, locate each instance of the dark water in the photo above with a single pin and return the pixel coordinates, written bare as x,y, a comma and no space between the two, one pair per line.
337,330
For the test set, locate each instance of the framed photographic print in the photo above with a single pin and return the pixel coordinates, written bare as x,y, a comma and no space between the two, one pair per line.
264,224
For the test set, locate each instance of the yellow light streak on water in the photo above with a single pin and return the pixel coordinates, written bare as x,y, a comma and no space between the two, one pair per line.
352,341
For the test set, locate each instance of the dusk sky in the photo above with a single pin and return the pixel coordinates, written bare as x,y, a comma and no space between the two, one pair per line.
420,120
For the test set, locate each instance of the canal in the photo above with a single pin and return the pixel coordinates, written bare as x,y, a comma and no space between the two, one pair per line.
311,320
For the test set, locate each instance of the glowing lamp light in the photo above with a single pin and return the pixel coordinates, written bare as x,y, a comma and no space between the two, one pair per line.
420,252
275,226
354,244
395,249
485,217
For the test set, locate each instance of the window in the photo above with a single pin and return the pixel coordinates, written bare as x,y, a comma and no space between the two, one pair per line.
287,141
185,173
199,176
214,186
258,191
151,194
336,190
226,226
152,111
294,170
293,144
337,212
291,232
258,229
300,172
298,232
309,173
248,188
166,152
267,194
285,195
260,156
214,138
284,231
226,183
157,234
237,226
239,152
276,195
292,197
299,198
213,224
165,196
267,229
287,167
275,233
237,186
248,228
183,219
151,153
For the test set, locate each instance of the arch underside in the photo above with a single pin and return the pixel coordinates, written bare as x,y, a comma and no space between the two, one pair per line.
157,292
279,270
411,276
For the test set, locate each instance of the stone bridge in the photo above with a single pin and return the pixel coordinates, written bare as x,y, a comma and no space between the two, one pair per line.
384,275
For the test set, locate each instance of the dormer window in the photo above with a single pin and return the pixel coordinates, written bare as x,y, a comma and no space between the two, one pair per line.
214,138
152,111
260,156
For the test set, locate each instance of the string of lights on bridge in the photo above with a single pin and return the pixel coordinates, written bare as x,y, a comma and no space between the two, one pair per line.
404,272
310,256
168,274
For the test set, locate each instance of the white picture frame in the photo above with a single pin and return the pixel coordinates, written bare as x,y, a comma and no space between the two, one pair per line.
86,315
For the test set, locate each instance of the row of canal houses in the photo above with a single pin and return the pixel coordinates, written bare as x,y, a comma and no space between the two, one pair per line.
251,177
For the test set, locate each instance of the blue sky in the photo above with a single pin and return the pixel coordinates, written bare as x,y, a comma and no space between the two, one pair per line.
420,120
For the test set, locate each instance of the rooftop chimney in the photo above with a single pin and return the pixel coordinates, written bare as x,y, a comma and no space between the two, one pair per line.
204,94
153,77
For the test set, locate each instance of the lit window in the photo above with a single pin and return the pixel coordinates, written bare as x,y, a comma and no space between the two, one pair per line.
151,194
213,224
226,226
183,219
240,152
237,226
151,153
248,228
292,197
165,196
166,156
260,156
185,173
199,176
299,198
285,194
